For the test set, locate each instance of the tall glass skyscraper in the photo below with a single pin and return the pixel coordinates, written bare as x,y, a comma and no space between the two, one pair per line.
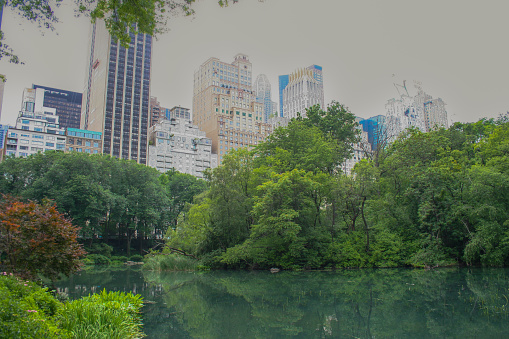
116,99
66,103
283,82
263,94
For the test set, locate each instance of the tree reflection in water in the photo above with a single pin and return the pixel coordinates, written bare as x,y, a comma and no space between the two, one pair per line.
340,304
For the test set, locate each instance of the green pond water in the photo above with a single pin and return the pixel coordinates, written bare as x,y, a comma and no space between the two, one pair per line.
383,303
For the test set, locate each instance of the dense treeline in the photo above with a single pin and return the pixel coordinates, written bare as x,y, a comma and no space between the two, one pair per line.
429,199
111,200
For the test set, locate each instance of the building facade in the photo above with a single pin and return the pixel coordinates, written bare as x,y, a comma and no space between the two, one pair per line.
304,89
79,140
3,134
116,99
180,145
225,106
376,130
263,95
283,82
418,110
66,103
178,112
361,150
435,115
37,127
157,113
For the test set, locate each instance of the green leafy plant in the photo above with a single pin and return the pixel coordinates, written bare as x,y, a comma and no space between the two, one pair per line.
112,315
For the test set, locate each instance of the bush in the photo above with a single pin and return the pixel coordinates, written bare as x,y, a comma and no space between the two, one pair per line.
102,248
112,315
27,310
136,258
99,259
37,239
87,261
119,258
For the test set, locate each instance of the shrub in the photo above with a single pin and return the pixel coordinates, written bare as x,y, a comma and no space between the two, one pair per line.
37,239
136,257
112,315
117,263
119,258
102,248
87,261
171,262
99,259
26,310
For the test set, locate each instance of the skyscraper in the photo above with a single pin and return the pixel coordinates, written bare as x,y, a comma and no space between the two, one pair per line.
263,94
435,115
304,89
116,98
283,82
225,107
420,111
66,103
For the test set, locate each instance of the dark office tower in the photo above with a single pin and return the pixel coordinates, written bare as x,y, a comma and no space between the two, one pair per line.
116,98
66,103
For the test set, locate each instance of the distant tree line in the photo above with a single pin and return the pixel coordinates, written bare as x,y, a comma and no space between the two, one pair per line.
110,199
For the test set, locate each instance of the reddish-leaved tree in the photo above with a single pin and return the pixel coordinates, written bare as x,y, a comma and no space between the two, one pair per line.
37,239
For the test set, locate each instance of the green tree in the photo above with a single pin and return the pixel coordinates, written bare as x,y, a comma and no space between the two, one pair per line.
181,189
336,123
298,146
287,232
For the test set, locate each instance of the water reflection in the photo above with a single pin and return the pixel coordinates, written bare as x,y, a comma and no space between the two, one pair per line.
357,303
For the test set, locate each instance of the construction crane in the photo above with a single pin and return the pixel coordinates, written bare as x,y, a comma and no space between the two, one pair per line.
401,86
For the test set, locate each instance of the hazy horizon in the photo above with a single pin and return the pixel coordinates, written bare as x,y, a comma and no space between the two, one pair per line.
456,49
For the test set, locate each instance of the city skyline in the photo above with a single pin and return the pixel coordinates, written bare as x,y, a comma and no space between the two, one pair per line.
363,48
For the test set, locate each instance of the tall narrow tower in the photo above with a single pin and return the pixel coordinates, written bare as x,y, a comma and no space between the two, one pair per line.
116,98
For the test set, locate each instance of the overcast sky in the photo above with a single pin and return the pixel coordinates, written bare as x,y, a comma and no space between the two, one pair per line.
457,49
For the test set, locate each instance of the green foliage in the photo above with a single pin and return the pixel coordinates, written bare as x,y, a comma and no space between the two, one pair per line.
106,197
103,315
336,123
136,257
181,189
102,249
347,251
120,258
27,310
99,259
299,146
432,199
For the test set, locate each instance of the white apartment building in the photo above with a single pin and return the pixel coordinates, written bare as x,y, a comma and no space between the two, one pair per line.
420,111
180,145
37,128
435,115
304,89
